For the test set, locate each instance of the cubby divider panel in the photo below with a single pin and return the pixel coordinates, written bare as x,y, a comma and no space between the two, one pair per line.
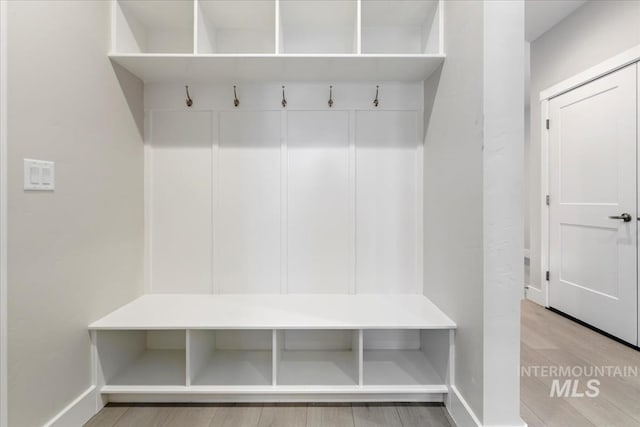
405,357
142,358
230,357
318,357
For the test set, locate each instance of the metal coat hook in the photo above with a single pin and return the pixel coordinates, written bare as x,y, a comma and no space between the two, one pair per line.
189,101
236,101
376,102
330,96
284,100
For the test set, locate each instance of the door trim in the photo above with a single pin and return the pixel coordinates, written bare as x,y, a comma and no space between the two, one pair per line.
628,57
3,215
608,66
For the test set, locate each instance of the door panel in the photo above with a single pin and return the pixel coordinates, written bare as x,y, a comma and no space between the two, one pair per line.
592,159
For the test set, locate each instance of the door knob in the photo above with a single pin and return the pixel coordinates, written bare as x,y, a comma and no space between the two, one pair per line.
624,216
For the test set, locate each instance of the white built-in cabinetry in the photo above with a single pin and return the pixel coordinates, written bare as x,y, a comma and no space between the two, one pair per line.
200,40
306,345
284,241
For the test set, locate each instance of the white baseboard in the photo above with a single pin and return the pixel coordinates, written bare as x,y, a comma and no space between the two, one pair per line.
78,412
536,295
270,398
460,411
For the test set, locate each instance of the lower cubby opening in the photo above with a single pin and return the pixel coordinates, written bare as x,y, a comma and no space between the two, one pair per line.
317,358
405,357
230,357
142,358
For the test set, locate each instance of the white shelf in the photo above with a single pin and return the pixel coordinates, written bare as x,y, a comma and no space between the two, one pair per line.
142,358
153,367
183,69
236,367
401,26
153,26
281,389
302,311
277,40
331,368
229,357
398,368
318,26
231,26
278,361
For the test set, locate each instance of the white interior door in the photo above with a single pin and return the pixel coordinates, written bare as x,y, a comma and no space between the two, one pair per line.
593,163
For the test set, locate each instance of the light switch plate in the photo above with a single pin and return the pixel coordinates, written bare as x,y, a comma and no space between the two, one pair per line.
39,175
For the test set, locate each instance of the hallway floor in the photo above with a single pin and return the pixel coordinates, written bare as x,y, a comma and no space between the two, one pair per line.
550,341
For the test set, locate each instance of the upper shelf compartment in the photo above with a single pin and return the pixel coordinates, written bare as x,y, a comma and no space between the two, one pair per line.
236,26
200,41
401,26
153,26
318,26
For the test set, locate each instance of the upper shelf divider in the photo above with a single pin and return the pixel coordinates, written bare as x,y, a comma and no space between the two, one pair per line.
353,34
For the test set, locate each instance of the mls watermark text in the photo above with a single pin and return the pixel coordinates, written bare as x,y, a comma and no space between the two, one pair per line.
577,380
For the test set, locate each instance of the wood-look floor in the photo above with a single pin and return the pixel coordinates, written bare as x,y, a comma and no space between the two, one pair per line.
285,415
548,339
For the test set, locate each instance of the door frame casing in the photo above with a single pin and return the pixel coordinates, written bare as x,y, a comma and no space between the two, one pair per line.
4,422
628,57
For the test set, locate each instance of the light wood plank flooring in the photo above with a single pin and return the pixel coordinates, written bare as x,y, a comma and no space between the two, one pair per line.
548,339
280,415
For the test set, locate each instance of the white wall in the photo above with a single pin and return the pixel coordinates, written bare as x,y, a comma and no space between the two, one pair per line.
503,209
453,185
473,198
74,254
595,32
263,199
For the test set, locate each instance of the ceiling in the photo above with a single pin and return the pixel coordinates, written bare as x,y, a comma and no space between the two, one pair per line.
541,15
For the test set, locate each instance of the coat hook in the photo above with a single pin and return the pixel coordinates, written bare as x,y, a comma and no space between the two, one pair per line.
376,102
284,100
189,101
330,96
236,101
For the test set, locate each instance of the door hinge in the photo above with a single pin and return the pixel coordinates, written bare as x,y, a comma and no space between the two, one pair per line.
546,276
547,200
548,124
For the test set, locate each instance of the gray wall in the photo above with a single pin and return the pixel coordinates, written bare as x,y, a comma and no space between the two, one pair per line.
76,253
594,33
453,245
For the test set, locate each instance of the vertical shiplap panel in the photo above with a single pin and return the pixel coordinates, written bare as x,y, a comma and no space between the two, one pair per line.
180,202
318,202
247,246
215,188
283,203
386,202
352,202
